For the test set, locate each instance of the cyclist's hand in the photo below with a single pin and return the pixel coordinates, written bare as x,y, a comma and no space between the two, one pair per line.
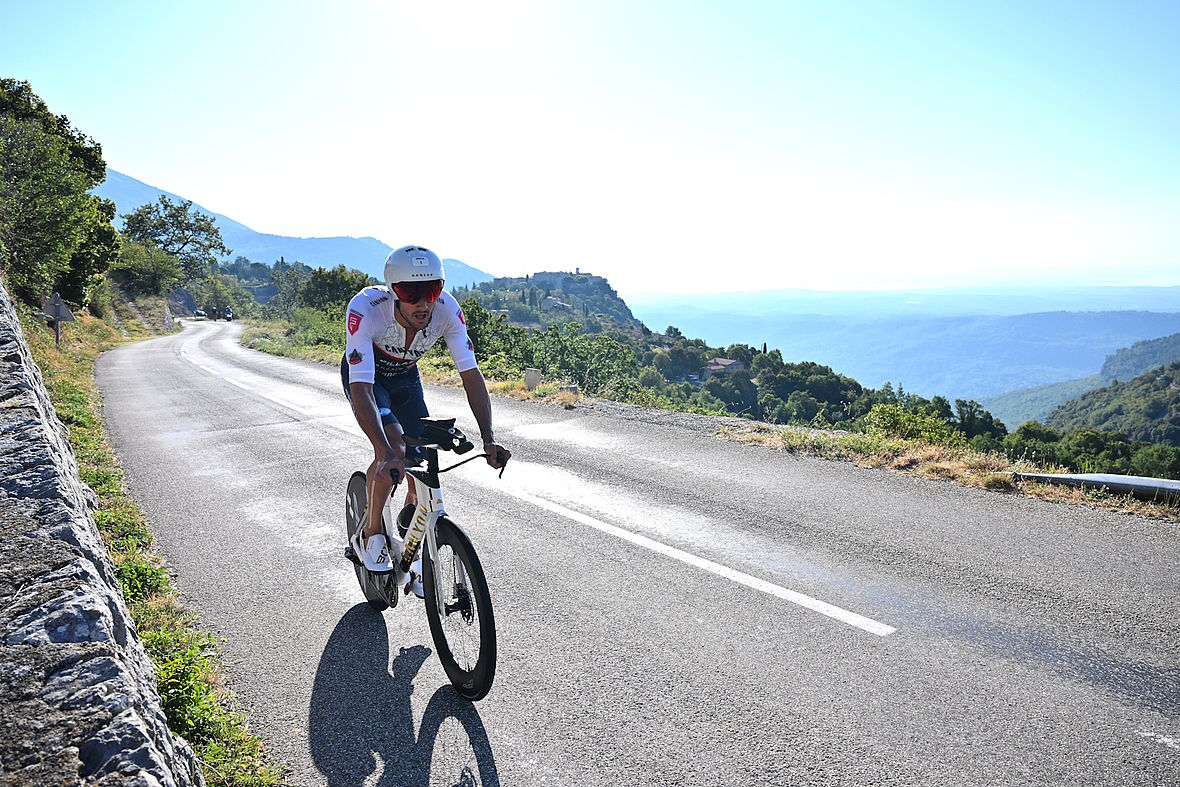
394,465
498,455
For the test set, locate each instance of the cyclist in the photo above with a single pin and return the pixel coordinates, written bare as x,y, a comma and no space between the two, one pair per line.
388,329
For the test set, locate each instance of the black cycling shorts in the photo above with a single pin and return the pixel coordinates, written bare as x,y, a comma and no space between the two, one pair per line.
399,401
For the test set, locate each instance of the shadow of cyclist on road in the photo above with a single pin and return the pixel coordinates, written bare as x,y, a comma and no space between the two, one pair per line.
361,721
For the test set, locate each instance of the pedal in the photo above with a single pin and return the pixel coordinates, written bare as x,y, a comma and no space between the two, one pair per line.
414,585
348,553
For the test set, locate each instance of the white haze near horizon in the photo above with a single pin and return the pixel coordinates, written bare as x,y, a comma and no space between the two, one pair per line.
703,148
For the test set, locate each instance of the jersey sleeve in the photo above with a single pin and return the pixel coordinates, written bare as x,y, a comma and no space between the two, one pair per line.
458,342
358,340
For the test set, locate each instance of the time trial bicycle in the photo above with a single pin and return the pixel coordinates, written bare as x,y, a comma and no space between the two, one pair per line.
453,586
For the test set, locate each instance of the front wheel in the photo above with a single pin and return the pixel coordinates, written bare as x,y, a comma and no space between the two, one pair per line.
459,609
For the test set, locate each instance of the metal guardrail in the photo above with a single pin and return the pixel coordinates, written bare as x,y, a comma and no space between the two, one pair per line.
1159,490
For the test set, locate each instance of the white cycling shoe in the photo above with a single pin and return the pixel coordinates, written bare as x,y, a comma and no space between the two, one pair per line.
414,579
372,551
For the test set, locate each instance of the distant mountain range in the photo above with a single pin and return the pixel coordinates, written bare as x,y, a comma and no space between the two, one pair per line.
363,254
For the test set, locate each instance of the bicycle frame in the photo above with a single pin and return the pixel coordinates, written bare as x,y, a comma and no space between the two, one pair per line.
427,488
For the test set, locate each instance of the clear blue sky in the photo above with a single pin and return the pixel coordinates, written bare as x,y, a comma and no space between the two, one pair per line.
706,146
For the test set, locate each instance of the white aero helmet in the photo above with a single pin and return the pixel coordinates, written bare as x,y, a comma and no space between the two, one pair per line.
412,263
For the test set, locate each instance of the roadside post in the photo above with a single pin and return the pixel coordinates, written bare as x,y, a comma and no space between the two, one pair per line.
56,312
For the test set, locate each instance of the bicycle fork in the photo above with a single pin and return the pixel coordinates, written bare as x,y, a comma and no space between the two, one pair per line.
422,525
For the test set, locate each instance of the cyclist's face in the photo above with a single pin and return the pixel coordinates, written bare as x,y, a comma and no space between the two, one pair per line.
417,315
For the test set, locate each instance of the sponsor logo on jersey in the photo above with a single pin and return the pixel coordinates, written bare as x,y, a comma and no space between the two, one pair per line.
379,301
354,321
470,346
355,357
462,316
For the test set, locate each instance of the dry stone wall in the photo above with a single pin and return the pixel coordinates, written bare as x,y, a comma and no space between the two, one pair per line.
78,698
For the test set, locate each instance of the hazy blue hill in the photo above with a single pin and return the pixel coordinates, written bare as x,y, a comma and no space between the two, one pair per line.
1146,408
961,357
1036,403
364,254
1141,357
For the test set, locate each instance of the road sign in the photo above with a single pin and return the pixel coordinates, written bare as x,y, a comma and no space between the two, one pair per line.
56,312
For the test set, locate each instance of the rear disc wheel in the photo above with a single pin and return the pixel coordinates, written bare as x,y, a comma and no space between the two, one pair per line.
373,586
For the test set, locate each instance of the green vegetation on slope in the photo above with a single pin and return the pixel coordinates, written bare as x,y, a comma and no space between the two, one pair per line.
1140,357
1037,403
1146,408
555,298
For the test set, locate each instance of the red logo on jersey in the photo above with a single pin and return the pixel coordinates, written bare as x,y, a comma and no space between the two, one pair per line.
355,357
462,317
354,321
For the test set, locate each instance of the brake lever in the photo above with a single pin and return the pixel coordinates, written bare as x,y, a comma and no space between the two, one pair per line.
503,460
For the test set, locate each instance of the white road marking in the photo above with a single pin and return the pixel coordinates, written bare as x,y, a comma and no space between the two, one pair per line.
771,589
815,605
1167,740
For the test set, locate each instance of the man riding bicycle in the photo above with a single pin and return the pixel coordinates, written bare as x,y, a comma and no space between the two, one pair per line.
388,329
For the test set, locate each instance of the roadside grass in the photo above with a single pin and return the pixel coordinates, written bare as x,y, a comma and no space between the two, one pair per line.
917,457
279,339
196,704
991,472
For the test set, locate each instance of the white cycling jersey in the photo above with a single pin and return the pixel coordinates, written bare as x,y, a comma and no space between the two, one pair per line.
375,344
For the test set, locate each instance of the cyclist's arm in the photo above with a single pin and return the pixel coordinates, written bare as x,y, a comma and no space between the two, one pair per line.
481,408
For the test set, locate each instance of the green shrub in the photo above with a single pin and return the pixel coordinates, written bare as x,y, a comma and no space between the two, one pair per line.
894,420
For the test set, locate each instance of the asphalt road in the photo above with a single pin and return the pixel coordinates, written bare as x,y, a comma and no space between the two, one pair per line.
672,608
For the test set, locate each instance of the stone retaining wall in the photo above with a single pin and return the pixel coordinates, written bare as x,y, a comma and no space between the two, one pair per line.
78,698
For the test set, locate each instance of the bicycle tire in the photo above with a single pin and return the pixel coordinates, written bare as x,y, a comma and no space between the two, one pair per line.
355,501
467,613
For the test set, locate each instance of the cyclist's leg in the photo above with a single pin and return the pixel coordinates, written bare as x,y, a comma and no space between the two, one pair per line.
409,407
377,488
381,484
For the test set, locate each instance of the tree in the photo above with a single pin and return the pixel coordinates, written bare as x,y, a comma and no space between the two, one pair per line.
19,102
288,279
974,420
741,352
146,270
328,289
99,249
650,377
45,211
178,229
